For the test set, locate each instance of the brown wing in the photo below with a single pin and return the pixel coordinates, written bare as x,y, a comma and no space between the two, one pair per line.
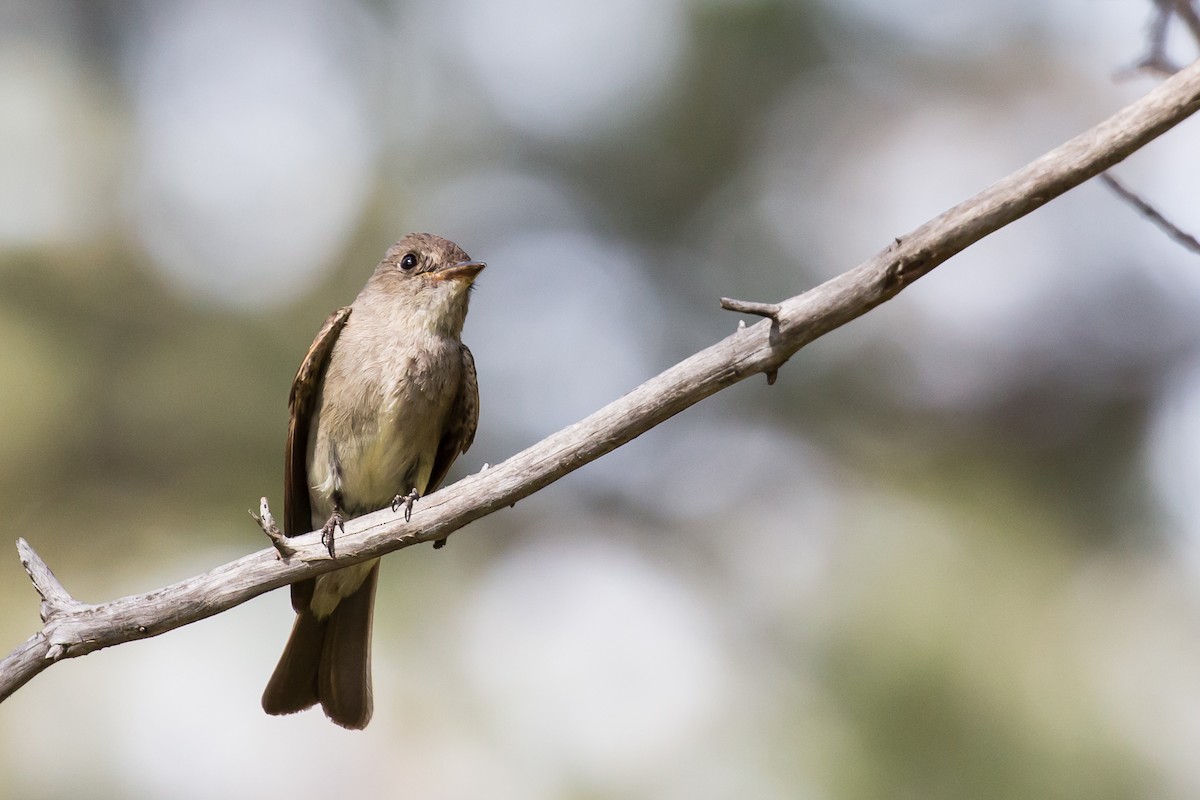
297,509
460,423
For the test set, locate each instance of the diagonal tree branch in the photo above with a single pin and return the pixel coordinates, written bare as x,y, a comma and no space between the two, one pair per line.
74,629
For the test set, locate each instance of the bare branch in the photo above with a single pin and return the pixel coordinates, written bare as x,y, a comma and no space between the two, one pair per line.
1151,213
763,347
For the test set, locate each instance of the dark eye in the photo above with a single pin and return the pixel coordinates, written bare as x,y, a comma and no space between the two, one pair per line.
409,262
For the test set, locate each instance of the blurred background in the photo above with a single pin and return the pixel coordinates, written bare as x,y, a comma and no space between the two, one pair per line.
953,552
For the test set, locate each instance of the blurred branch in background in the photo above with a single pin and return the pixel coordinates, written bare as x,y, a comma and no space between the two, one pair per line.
1151,213
74,629
1156,60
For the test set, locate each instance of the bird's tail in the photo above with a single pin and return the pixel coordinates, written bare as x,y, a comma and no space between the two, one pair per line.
329,661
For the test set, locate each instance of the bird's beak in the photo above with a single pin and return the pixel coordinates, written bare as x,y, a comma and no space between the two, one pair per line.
462,271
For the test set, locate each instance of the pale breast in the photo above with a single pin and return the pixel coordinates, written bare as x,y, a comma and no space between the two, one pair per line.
381,414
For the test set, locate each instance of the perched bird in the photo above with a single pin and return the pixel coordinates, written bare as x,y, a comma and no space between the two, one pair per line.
384,401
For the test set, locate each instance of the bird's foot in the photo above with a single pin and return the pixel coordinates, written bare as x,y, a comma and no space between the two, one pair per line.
407,501
335,521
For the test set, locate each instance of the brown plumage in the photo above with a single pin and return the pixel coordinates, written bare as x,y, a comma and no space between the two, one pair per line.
383,403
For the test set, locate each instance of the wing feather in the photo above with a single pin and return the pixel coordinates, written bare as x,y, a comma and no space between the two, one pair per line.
460,423
302,400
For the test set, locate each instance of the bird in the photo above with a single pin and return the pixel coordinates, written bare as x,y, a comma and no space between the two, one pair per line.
384,401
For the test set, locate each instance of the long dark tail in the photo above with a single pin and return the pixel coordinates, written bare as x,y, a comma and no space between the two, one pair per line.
329,661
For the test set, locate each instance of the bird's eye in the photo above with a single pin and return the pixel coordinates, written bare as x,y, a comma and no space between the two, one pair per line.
409,262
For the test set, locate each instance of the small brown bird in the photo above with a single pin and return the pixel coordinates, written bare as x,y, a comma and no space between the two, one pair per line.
384,401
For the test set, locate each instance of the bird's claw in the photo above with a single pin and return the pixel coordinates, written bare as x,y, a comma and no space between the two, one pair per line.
335,521
407,501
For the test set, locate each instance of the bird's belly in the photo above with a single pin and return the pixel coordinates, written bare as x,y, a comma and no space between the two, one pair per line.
390,452
386,456
394,460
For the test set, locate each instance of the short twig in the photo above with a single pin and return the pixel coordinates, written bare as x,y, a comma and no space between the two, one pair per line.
266,521
1151,213
55,597
56,600
768,310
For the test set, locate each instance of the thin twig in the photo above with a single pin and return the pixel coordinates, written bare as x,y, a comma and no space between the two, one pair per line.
768,310
1151,213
